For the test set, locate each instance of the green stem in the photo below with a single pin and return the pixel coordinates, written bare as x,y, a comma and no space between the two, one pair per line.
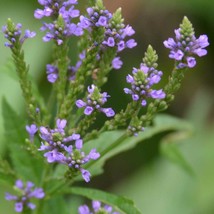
170,89
22,71
62,63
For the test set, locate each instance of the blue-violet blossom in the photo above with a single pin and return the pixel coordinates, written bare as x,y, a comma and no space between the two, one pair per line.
63,13
59,149
13,33
185,45
25,193
97,208
141,82
31,129
95,101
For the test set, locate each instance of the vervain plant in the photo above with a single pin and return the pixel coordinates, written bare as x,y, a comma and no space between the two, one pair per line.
64,145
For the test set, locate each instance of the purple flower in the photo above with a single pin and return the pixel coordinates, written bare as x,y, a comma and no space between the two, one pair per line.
52,73
141,82
27,192
54,156
97,207
95,101
102,21
185,45
131,43
31,129
116,63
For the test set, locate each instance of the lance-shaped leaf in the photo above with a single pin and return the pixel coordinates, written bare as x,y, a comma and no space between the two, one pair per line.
120,203
112,143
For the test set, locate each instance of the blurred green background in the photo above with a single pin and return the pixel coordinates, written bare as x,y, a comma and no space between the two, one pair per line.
156,184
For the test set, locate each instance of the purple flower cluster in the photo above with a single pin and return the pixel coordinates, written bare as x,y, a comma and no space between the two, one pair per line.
184,47
95,101
63,13
97,208
114,35
26,192
13,34
98,18
59,149
141,82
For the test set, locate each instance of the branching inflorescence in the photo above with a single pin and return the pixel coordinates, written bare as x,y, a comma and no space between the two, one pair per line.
102,36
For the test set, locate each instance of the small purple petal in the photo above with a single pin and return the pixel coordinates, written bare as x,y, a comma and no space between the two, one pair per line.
19,207
94,154
84,210
88,110
96,205
80,103
61,123
10,197
109,112
85,174
37,193
19,184
143,103
157,94
31,206
135,97
116,63
131,43
102,21
79,144
191,62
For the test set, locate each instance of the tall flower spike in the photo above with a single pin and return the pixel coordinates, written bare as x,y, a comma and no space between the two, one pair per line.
116,33
97,207
144,78
185,45
13,33
26,192
95,101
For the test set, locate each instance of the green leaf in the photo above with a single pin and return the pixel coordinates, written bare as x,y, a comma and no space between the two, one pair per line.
162,123
7,175
55,205
170,150
23,161
120,203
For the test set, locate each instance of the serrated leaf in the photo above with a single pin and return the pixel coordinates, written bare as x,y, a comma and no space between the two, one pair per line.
24,163
162,123
120,203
